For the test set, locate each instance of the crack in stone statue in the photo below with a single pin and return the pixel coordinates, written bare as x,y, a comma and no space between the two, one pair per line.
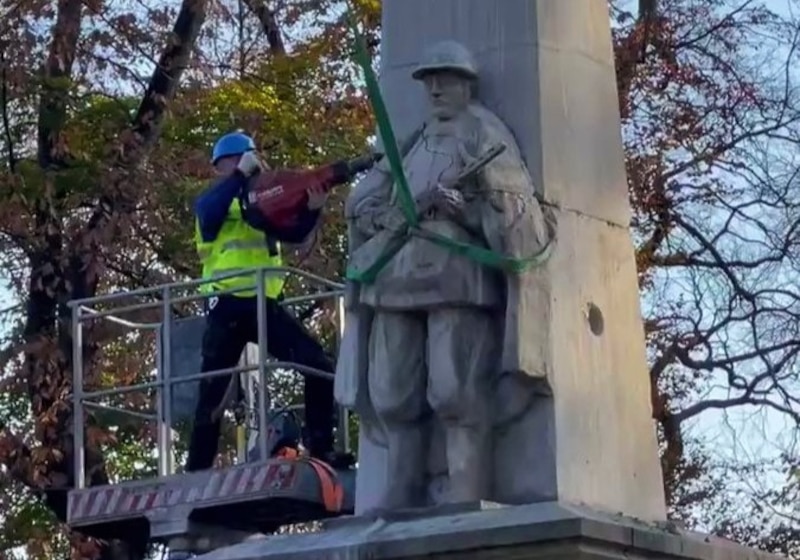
438,343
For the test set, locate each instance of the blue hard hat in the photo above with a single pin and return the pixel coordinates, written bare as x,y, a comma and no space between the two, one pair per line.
232,144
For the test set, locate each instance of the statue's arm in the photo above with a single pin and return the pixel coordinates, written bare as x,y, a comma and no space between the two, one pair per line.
512,220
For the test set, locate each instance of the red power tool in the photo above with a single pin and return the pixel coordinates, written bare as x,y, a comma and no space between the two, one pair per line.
279,195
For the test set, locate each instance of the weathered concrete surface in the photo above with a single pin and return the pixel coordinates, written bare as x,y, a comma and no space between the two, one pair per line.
546,68
545,530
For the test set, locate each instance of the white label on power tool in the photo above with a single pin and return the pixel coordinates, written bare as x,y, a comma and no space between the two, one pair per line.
272,192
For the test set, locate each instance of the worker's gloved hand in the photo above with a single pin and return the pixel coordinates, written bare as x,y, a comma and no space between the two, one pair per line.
317,197
249,164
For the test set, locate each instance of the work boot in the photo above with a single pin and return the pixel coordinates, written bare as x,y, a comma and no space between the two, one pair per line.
320,446
335,459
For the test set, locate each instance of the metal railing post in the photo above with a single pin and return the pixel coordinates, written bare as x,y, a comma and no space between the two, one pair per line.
164,387
344,414
78,425
242,407
159,417
261,317
247,379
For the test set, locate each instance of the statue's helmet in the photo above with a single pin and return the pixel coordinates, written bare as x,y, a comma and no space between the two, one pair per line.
447,55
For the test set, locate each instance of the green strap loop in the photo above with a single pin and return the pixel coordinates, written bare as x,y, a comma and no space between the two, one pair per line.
484,256
475,253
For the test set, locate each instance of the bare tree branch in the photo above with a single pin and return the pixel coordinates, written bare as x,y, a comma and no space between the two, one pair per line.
269,24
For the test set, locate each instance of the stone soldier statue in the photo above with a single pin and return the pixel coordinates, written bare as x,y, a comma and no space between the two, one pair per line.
430,337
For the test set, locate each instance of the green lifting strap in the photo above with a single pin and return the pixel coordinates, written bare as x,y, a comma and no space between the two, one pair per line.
475,253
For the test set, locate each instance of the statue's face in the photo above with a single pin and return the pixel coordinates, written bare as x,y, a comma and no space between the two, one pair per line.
449,93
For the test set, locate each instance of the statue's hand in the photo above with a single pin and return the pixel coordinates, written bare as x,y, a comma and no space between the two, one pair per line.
393,219
449,200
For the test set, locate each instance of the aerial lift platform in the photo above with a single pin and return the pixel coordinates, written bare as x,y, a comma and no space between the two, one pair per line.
200,511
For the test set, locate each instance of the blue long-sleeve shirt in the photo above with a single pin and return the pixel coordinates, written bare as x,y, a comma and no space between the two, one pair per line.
211,209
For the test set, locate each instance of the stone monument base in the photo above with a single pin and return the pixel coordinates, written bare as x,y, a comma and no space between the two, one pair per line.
490,531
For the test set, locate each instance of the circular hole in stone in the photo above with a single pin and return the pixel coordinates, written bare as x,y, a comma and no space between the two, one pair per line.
596,321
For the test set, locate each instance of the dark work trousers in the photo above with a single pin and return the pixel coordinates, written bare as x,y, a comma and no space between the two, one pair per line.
231,323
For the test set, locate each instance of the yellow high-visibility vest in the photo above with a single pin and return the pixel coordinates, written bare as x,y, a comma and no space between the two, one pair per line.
238,247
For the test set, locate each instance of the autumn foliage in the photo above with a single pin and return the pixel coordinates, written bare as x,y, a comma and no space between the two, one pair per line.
107,112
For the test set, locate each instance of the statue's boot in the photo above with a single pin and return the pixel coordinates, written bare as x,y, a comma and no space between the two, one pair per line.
406,464
469,461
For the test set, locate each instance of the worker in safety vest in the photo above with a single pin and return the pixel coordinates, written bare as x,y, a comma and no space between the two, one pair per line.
225,242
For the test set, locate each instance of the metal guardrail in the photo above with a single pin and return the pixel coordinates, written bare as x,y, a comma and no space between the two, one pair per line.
84,310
